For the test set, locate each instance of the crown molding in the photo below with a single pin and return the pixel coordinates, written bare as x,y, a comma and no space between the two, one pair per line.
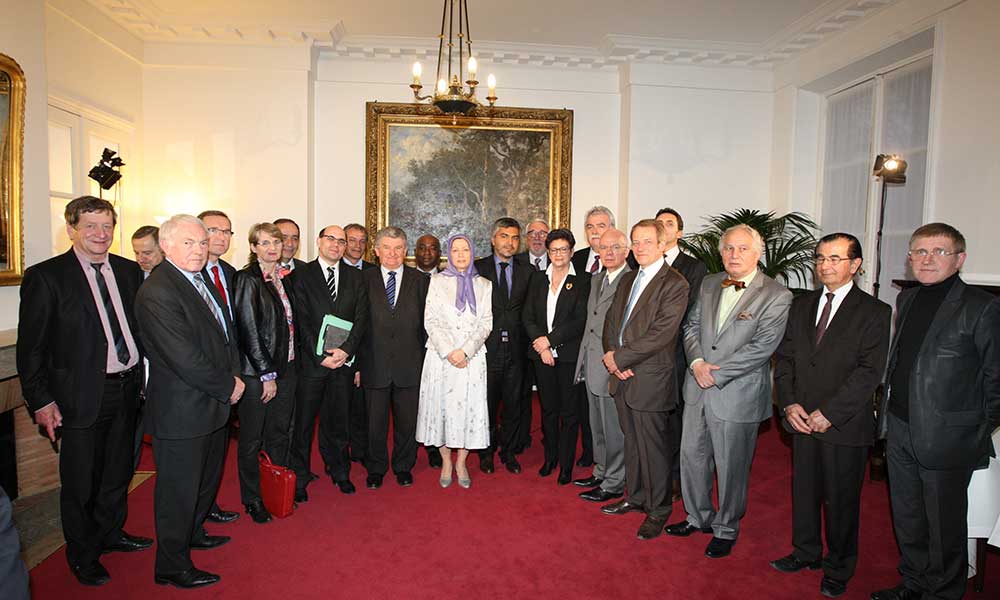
148,22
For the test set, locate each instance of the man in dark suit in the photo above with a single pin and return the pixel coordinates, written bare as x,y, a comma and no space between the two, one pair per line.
392,360
357,245
194,367
828,366
506,346
538,257
80,368
290,233
640,343
326,287
693,271
146,246
942,402
221,274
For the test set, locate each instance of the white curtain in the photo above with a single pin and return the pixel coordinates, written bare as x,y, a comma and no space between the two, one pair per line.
848,159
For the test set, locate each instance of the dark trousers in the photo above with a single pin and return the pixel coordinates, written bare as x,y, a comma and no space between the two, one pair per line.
140,430
583,417
187,478
647,458
95,468
402,403
13,574
929,515
263,427
826,488
359,422
559,398
676,425
527,400
327,393
504,373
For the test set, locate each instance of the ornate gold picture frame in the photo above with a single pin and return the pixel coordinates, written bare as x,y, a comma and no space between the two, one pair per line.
12,89
440,174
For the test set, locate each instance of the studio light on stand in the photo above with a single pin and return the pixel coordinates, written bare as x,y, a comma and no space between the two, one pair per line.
107,173
892,169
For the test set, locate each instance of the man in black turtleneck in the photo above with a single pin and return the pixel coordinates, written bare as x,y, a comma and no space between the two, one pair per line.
942,403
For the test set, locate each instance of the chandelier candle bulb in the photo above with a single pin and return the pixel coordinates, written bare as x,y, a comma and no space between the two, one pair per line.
417,71
491,83
473,67
442,86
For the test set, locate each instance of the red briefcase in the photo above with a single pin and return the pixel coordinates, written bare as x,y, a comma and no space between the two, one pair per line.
277,486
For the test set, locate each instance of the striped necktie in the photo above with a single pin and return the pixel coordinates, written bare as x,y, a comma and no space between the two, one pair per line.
118,337
390,290
199,284
331,282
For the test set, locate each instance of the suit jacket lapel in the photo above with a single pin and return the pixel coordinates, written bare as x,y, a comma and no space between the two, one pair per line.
748,293
648,291
951,303
835,328
903,311
193,296
313,272
563,301
76,272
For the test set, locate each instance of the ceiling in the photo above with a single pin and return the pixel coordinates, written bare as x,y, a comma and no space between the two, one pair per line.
600,31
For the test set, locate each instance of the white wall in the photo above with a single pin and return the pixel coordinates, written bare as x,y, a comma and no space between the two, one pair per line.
964,156
344,85
226,128
699,140
22,37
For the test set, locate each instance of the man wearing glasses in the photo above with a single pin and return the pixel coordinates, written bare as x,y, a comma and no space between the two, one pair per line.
828,366
326,287
941,404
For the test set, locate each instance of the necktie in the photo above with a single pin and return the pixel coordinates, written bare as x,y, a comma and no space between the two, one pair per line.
597,263
390,290
202,287
121,348
538,264
632,298
331,282
824,318
219,286
733,282
504,289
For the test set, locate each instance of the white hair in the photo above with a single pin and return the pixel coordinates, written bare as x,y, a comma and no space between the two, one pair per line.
758,241
390,232
170,226
600,210
533,221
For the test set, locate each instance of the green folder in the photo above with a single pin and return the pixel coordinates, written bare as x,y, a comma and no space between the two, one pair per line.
332,334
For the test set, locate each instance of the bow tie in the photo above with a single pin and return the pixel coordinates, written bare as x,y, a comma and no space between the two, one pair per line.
739,285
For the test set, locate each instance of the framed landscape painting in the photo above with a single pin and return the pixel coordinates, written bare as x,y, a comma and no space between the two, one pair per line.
432,173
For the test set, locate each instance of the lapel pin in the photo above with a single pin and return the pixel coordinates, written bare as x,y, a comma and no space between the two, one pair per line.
569,286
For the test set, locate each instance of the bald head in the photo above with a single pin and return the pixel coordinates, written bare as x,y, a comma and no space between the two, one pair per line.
613,247
331,243
427,252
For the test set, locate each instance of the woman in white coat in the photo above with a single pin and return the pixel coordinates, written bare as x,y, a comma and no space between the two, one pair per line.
458,318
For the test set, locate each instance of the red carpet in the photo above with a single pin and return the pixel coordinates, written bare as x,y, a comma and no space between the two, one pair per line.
510,536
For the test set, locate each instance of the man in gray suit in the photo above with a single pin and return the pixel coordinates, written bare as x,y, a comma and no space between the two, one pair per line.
735,325
608,477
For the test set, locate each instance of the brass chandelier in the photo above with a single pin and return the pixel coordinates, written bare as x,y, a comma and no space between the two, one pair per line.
450,95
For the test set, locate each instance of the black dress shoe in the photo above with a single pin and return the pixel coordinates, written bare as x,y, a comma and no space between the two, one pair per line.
486,463
345,486
209,541
684,529
651,527
564,477
512,465
191,578
620,508
719,547
127,543
546,469
588,481
900,592
222,516
599,495
434,457
793,564
404,479
585,461
311,477
373,482
831,588
258,512
301,495
93,574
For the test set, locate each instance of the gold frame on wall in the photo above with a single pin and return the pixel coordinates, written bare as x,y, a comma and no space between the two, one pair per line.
12,173
379,117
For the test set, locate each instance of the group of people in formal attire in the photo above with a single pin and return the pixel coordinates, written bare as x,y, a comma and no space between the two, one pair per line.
663,370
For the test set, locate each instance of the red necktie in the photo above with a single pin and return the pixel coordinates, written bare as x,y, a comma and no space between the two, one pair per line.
597,260
218,284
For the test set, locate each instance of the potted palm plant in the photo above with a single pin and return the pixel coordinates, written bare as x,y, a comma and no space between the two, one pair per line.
789,243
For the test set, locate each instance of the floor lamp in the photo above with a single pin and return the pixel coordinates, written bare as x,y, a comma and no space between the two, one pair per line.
892,169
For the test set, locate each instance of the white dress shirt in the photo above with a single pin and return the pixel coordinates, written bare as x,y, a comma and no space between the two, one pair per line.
399,279
336,272
543,261
838,298
671,255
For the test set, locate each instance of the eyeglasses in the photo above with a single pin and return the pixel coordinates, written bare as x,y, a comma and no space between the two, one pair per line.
616,248
215,230
565,250
833,260
334,239
924,253
538,235
268,243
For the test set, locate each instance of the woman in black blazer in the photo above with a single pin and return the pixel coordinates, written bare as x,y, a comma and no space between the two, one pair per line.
555,313
265,323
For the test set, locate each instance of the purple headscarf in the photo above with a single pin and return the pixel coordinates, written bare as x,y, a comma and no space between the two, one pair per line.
465,294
